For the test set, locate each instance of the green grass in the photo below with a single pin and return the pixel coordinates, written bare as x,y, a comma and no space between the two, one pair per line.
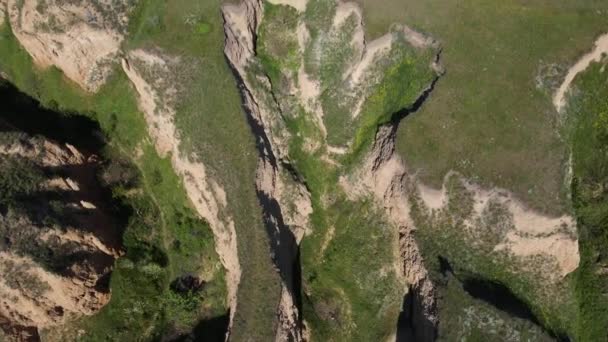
588,132
486,118
401,85
469,319
350,289
162,213
213,127
279,52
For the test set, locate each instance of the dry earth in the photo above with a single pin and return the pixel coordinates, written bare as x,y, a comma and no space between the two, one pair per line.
80,38
31,296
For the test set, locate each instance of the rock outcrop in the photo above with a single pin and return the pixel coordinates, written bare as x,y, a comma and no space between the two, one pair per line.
81,38
59,236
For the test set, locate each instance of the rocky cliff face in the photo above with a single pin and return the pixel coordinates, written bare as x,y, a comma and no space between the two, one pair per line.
82,38
59,236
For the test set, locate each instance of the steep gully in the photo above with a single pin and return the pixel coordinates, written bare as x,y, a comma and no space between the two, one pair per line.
391,196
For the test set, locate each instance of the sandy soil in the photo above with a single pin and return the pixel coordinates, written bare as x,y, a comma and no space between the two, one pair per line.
81,50
560,247
600,48
433,199
345,10
372,50
300,5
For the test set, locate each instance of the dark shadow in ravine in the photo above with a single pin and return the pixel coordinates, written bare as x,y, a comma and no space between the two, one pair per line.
25,114
210,330
500,297
496,294
412,324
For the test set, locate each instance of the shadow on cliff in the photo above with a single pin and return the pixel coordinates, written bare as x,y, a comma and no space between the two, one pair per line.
21,114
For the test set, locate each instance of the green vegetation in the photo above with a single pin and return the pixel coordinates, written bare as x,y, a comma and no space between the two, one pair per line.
470,249
487,118
164,238
351,291
401,85
19,177
350,285
213,127
587,130
279,51
467,319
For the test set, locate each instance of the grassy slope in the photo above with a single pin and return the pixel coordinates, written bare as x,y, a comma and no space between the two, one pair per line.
588,132
142,303
213,126
486,118
479,321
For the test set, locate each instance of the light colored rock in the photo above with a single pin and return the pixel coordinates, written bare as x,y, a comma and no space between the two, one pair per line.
31,295
87,205
82,39
39,301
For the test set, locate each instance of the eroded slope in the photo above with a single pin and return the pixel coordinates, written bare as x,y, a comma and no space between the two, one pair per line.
317,91
60,234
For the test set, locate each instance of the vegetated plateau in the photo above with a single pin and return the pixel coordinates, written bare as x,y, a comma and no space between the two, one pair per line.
299,170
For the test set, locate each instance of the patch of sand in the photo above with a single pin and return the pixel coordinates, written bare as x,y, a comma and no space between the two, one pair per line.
300,5
376,47
433,199
600,49
345,10
336,149
558,246
327,240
